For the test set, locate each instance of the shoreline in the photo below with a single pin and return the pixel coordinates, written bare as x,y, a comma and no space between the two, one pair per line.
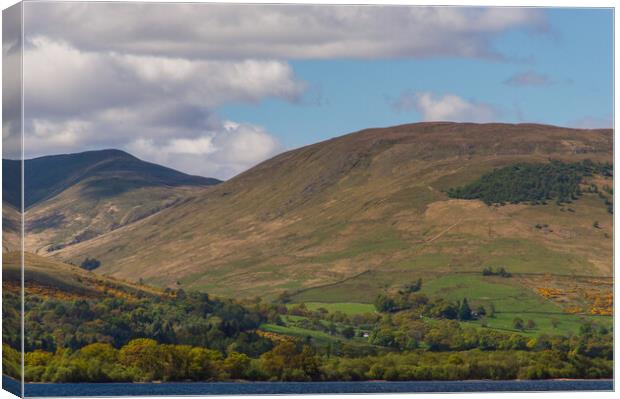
306,382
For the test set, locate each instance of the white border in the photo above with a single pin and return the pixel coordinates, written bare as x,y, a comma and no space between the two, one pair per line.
506,3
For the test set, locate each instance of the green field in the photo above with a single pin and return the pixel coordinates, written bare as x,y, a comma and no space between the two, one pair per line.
363,288
505,294
349,308
510,301
568,323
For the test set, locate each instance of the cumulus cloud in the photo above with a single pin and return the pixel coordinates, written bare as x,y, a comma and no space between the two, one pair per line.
150,77
61,77
278,31
448,107
230,150
76,100
11,86
529,78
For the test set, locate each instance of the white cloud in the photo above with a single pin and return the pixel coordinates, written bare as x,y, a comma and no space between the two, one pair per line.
161,107
228,31
11,86
60,79
222,153
448,107
149,77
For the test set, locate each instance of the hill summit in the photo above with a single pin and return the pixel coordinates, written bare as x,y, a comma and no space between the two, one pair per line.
106,172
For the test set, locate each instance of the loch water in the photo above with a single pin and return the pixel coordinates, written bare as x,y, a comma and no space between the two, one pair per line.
271,388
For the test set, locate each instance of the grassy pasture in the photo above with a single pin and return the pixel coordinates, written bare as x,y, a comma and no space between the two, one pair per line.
349,308
319,337
510,301
567,323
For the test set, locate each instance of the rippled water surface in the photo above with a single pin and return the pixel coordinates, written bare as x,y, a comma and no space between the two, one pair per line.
258,388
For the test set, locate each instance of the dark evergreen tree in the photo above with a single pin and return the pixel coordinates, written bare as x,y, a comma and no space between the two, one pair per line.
464,310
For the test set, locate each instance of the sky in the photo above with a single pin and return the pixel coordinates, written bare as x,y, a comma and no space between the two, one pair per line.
214,89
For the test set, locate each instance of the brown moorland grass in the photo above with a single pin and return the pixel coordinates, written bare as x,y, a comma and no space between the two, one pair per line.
373,200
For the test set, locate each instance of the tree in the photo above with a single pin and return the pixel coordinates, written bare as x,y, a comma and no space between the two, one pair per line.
503,273
414,287
348,332
37,358
236,365
383,303
383,337
180,294
309,363
531,325
280,360
204,363
100,351
517,323
90,264
143,354
284,297
464,310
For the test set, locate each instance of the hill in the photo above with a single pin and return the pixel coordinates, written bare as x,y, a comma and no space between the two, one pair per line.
50,278
11,232
346,219
75,197
67,307
48,176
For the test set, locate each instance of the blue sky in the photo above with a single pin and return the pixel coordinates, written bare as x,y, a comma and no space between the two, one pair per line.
218,88
575,54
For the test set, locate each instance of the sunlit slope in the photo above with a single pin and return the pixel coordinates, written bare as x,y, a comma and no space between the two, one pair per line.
371,201
74,197
47,277
76,215
11,231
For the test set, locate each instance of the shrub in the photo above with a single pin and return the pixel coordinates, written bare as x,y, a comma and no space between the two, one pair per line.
90,264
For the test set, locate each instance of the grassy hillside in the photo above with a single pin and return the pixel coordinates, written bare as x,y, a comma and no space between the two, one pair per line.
118,331
348,218
77,215
50,278
75,197
11,232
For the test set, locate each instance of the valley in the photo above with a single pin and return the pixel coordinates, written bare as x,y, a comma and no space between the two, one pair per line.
333,226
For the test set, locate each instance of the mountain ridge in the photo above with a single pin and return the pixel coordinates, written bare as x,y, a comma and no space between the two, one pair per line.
70,198
371,200
47,176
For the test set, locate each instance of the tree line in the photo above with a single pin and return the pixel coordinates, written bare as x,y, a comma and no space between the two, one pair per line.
191,336
534,183
589,355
